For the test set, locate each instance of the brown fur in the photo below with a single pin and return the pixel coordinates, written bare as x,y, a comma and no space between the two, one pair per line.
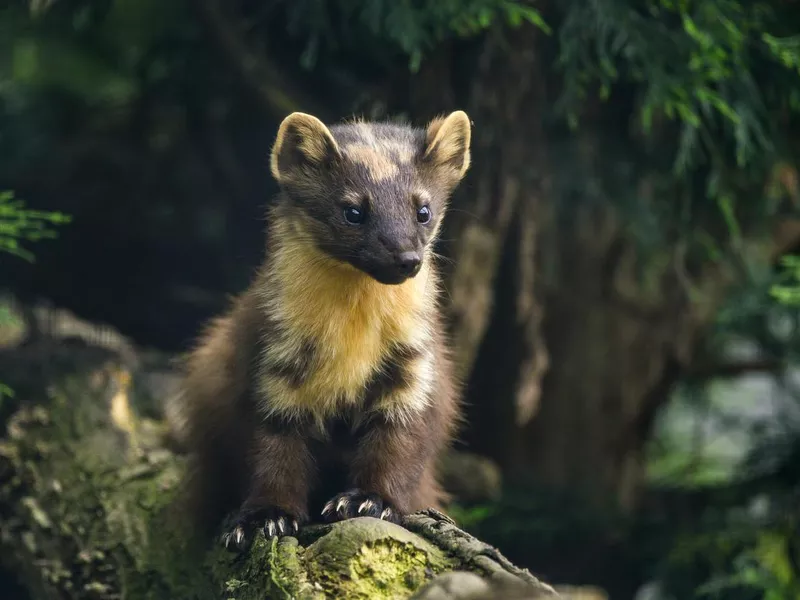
334,357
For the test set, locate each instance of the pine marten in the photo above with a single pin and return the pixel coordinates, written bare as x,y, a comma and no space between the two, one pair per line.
326,389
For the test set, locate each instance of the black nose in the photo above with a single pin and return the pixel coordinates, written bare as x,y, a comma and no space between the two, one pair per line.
408,263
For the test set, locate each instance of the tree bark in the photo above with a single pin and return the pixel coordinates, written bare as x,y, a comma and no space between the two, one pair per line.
493,229
568,353
616,341
86,481
491,233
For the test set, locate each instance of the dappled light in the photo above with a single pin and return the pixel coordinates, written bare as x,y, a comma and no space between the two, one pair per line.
445,299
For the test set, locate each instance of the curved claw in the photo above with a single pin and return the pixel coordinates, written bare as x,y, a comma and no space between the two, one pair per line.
269,528
273,521
357,503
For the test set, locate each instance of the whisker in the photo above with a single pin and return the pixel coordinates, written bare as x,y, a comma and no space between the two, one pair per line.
443,258
466,212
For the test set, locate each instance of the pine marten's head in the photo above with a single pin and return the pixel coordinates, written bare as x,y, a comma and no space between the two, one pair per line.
371,195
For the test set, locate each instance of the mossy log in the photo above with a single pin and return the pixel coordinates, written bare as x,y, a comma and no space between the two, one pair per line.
86,481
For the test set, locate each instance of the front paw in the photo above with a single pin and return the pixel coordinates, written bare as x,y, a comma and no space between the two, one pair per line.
273,521
356,503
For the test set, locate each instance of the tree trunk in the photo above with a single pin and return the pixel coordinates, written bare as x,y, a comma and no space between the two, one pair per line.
611,363
566,351
86,480
492,231
617,341
492,227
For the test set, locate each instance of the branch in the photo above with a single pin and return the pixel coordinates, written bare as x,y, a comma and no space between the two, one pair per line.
715,281
273,90
86,482
473,553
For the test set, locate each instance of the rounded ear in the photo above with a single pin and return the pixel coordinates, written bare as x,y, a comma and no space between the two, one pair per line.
448,142
302,141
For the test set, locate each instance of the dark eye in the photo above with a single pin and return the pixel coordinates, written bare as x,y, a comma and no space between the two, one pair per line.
353,215
424,214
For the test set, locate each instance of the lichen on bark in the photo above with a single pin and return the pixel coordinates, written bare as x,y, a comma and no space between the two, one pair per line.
370,558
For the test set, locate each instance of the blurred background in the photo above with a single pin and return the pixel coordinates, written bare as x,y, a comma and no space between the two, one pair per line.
621,289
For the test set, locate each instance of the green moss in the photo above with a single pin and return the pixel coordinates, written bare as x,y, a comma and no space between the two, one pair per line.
287,572
245,577
99,504
270,569
370,558
388,569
